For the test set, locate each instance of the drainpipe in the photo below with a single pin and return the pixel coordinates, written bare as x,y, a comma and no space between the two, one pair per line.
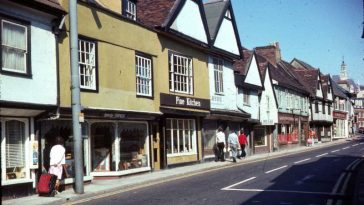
76,104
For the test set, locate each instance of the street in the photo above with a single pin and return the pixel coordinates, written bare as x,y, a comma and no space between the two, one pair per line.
320,176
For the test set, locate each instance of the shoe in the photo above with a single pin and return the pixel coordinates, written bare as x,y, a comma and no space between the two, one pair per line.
234,160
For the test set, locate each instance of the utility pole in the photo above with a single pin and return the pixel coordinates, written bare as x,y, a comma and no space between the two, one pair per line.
76,104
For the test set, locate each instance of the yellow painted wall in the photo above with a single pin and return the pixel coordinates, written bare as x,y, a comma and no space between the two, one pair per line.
114,5
117,42
200,67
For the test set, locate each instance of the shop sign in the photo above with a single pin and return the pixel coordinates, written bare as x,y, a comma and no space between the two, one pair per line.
187,102
285,118
267,122
339,115
114,115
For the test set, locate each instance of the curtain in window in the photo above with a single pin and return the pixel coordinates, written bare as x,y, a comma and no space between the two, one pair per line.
15,147
14,46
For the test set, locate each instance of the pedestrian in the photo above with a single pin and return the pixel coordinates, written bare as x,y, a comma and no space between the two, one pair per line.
243,142
233,143
57,160
220,142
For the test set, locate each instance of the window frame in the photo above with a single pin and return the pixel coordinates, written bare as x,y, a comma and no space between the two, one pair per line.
28,68
26,145
218,64
193,139
94,88
172,74
125,9
151,84
246,97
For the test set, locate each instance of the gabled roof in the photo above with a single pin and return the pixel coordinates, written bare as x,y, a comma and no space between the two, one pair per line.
303,64
338,91
161,14
215,11
308,78
242,66
270,56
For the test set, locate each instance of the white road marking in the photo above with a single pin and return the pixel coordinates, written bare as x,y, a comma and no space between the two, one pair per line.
335,151
246,180
338,182
284,191
322,155
267,172
354,145
346,147
301,161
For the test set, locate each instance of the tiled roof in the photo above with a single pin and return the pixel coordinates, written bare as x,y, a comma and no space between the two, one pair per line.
304,65
268,52
154,13
338,91
241,66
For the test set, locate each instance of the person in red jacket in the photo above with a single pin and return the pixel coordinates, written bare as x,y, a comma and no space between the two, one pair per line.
243,142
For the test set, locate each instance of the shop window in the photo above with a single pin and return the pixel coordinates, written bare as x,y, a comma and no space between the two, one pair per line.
133,145
259,137
14,150
62,128
180,136
102,135
209,136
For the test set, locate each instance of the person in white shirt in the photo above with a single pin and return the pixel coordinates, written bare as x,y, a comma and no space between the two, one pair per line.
233,143
57,160
220,142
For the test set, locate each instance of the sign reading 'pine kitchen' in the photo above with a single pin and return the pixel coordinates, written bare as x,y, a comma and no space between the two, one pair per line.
187,102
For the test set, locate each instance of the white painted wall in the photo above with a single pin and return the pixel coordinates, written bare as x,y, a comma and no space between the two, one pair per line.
189,22
253,107
41,88
226,39
319,90
228,99
268,109
253,75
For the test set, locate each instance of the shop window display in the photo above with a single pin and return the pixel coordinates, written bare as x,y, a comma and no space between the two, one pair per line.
133,145
180,136
260,138
102,146
63,129
13,148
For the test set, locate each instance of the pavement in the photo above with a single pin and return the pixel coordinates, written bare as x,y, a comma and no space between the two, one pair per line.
99,188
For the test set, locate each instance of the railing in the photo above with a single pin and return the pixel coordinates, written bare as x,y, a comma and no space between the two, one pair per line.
287,138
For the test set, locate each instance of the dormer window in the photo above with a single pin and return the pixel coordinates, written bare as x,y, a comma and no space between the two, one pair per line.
129,9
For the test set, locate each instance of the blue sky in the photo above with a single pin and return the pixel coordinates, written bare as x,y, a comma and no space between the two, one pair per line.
319,32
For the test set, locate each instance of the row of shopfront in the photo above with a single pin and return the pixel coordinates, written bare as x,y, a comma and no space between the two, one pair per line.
117,143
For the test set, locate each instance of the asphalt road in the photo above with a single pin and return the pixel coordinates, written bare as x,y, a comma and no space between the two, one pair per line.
319,177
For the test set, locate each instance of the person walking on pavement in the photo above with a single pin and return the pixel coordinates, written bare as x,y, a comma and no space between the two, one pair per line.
233,143
243,142
57,160
220,142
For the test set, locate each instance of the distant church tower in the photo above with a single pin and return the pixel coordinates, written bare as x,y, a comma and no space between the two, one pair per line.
343,71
